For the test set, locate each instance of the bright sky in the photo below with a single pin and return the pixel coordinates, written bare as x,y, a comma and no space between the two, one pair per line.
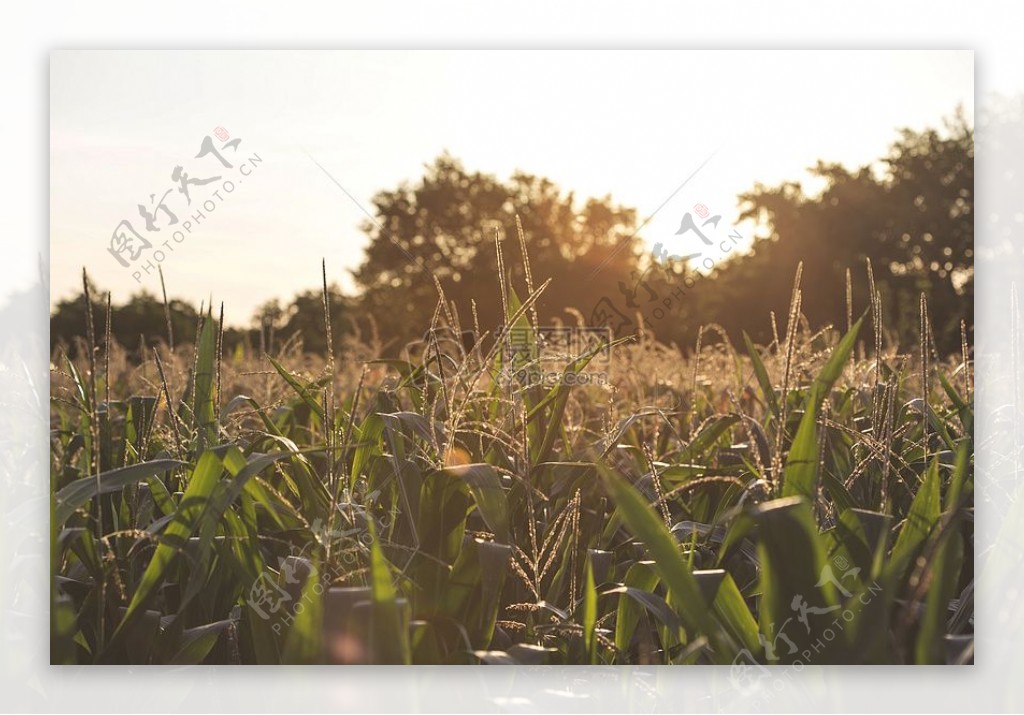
631,124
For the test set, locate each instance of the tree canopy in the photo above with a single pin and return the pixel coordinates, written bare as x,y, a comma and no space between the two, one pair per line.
910,214
448,227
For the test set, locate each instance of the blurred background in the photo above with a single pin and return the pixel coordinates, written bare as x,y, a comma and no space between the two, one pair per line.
396,168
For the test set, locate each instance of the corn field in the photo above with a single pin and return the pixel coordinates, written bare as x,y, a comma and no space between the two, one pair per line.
805,501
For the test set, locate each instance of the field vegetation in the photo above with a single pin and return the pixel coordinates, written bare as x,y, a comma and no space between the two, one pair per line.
804,500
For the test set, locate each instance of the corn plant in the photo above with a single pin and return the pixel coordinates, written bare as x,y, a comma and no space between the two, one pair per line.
805,501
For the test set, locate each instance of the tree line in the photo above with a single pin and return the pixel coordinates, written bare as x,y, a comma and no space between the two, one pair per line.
909,214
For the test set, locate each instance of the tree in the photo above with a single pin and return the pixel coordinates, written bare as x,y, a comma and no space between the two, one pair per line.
142,320
911,215
304,317
445,228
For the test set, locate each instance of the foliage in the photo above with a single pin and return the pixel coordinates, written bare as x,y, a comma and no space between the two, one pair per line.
216,508
445,228
910,214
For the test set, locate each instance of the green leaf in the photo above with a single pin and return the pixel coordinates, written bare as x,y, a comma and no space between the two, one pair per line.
730,608
800,475
709,433
964,410
639,588
861,538
368,440
835,365
202,385
301,390
485,485
840,495
959,479
762,375
196,643
494,562
792,569
945,566
194,502
558,397
921,519
303,644
79,492
389,633
684,592
304,482
640,577
590,614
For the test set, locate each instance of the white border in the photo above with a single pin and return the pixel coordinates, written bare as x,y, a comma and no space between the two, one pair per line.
28,683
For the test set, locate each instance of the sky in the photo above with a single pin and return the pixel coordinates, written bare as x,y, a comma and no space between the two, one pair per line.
305,140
